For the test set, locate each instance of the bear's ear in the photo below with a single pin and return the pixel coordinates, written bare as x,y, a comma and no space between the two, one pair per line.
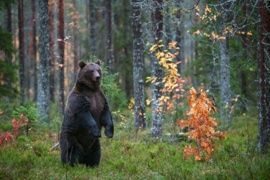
82,64
98,62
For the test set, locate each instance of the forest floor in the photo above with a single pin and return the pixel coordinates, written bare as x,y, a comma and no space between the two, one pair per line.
137,156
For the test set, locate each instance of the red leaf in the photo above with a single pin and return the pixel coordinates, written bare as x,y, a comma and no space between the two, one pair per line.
26,122
19,122
14,122
22,116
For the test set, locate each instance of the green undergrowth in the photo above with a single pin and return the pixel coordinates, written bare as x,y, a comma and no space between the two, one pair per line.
131,155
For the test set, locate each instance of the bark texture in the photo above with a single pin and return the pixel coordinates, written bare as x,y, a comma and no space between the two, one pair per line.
51,23
21,49
225,85
61,61
180,43
75,30
196,82
156,70
244,45
263,75
139,108
108,60
8,57
43,71
92,29
34,55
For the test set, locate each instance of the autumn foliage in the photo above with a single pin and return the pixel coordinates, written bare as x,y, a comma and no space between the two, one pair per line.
172,81
6,137
202,126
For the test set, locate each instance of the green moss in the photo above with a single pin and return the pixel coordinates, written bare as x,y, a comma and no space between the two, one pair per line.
139,157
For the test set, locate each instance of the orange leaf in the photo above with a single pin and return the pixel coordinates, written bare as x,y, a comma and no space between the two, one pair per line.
198,158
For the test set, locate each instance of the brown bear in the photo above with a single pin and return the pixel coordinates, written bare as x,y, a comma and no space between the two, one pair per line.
87,110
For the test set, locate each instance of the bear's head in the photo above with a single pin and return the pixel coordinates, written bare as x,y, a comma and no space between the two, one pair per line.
89,75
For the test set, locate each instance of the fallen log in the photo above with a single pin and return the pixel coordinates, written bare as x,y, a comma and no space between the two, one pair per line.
55,146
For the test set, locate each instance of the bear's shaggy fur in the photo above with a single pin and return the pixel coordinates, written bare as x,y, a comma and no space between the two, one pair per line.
87,110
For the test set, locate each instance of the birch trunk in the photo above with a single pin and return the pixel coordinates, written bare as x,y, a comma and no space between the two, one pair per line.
263,75
225,85
156,70
139,107
43,71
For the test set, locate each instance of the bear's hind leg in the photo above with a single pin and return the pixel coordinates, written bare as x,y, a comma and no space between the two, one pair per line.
74,155
93,155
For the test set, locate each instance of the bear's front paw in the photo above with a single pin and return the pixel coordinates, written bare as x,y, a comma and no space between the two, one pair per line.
109,131
95,131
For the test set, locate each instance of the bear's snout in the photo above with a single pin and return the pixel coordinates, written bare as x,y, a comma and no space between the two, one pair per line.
97,78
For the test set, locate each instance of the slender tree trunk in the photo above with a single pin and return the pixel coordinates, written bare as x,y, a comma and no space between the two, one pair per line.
167,27
178,39
225,85
61,48
108,59
191,62
263,75
87,15
244,45
139,107
34,55
51,23
156,70
75,30
21,47
43,71
196,82
92,29
8,55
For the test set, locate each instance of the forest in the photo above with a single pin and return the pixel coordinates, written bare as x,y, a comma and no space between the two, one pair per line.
186,85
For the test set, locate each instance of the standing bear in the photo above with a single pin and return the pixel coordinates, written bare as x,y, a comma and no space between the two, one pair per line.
87,110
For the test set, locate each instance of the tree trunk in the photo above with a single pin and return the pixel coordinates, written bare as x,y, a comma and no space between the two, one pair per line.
43,80
108,59
139,107
61,48
179,40
8,55
156,70
263,75
92,29
34,55
225,85
196,81
51,23
87,15
75,30
21,49
242,73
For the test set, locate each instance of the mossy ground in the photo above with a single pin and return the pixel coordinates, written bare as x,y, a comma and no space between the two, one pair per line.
137,156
